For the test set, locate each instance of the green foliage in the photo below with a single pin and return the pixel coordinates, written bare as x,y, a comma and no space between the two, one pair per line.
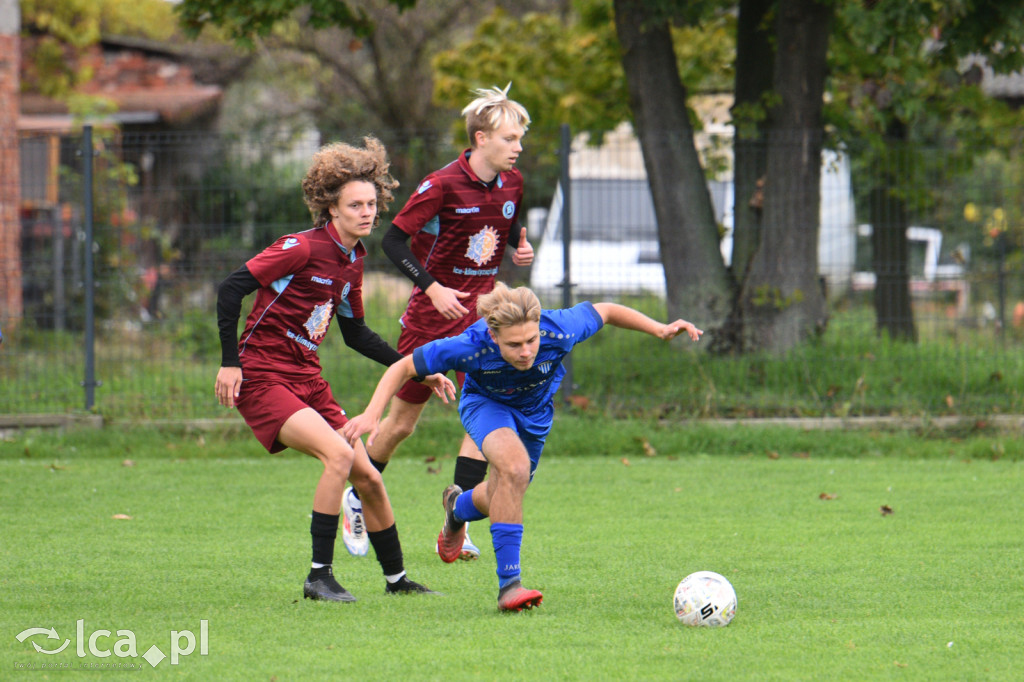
897,64
542,56
61,31
245,19
769,296
113,223
569,70
251,200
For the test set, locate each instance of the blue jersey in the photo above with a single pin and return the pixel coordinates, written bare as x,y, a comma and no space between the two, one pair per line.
489,375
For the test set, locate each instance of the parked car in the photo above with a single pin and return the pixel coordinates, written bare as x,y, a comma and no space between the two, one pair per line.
615,233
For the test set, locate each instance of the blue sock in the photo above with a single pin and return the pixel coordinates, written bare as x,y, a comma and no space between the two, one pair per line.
507,538
465,510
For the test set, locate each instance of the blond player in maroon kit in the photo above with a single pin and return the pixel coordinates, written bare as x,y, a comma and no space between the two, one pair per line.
449,240
272,375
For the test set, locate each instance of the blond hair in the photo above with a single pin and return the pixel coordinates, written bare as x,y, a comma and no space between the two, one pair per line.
492,109
505,307
338,164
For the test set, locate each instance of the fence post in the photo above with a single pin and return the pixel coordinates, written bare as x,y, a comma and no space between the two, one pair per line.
90,322
1001,280
566,184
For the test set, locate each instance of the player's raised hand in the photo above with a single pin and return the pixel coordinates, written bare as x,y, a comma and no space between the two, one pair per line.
523,254
673,329
447,301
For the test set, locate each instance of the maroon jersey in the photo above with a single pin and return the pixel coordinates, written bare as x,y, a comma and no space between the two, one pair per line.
307,278
459,227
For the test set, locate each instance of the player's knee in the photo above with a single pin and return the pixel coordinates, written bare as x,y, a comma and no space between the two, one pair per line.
368,483
403,427
371,490
338,462
518,474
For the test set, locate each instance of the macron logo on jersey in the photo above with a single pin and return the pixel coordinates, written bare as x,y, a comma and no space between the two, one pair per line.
289,243
471,209
424,186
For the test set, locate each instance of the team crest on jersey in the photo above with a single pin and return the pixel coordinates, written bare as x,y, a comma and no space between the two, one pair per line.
508,210
319,320
544,367
483,245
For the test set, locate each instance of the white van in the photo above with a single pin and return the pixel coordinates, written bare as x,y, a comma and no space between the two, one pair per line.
615,235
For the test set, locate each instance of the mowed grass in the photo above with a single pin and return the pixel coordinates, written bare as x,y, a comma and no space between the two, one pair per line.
829,587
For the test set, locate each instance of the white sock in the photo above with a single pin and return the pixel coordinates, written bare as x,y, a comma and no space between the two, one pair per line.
392,579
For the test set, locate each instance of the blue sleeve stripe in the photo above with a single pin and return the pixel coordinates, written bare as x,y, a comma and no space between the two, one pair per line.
593,311
420,363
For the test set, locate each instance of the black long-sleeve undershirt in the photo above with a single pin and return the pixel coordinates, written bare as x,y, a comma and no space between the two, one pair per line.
241,283
361,338
396,247
230,293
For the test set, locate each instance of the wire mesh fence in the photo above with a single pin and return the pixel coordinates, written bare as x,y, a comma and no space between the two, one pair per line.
173,213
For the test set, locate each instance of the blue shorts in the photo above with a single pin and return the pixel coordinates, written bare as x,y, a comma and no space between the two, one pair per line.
480,416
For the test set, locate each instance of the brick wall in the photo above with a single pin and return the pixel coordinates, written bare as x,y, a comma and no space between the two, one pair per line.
10,181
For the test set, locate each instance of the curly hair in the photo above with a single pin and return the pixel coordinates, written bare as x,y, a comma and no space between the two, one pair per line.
505,307
338,164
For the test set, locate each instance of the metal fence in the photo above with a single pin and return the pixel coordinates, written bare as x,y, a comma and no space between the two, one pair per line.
155,220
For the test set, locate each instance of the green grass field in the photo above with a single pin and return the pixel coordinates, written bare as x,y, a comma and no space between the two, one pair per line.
828,586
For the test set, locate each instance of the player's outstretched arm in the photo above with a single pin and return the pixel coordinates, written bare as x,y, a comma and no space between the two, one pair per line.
394,378
625,317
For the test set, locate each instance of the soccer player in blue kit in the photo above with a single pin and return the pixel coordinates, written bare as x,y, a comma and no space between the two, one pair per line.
512,359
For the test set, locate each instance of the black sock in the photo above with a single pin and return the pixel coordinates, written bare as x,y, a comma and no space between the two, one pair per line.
324,529
318,573
469,473
388,549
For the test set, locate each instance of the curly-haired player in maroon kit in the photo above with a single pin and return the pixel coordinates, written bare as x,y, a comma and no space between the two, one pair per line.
272,375
449,240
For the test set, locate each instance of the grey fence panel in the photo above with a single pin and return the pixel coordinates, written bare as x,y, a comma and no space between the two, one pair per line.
174,213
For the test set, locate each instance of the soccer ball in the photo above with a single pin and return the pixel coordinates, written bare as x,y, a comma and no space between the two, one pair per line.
705,598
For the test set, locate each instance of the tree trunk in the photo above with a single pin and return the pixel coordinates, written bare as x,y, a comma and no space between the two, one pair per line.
10,168
890,256
697,283
782,301
754,69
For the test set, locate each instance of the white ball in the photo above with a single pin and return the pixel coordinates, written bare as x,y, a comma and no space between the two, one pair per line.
705,598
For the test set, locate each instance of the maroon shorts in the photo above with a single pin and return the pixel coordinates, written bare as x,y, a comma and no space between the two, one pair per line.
267,405
413,391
